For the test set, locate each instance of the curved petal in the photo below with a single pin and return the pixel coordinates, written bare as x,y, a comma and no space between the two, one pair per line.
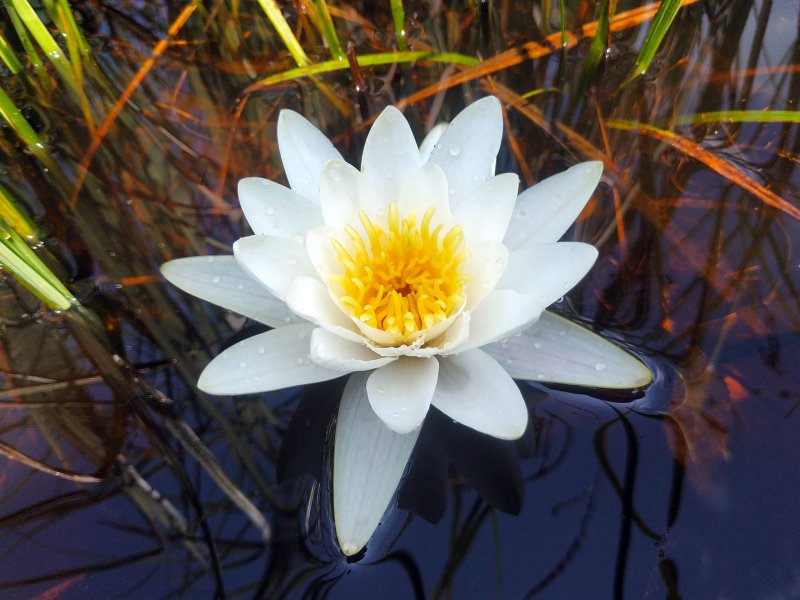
304,151
338,193
486,211
267,361
221,281
548,271
546,210
368,462
475,391
400,393
390,155
557,350
425,187
309,298
321,253
502,313
273,261
431,139
338,354
273,209
485,265
454,335
468,147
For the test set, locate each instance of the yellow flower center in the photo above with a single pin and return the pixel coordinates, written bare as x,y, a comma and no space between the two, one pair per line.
403,279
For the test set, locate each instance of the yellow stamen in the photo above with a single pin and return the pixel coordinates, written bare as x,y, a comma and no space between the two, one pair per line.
403,279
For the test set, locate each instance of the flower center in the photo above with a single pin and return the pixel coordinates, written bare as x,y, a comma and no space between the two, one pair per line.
403,279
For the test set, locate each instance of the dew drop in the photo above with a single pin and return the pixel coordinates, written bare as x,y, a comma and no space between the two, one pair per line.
261,350
454,150
270,210
240,286
600,367
215,279
287,319
210,259
301,335
242,365
300,361
522,213
537,345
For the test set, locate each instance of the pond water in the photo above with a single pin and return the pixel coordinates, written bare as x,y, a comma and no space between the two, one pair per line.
119,479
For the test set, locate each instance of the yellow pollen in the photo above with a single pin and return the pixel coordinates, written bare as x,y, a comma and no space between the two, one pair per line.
402,279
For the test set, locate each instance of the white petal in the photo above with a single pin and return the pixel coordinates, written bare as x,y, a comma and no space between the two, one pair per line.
390,155
425,187
338,193
400,393
546,210
338,354
486,211
431,139
475,391
452,337
273,209
468,147
267,361
485,264
548,271
559,351
309,298
221,281
321,253
304,151
368,462
273,261
502,313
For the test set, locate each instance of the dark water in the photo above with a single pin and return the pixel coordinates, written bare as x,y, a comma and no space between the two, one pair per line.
689,491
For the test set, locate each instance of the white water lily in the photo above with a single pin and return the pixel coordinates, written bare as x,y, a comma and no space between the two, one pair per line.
416,273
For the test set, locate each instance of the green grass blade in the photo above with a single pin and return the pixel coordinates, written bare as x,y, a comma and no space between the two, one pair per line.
17,258
285,32
328,30
8,56
399,20
366,60
19,221
655,35
739,116
24,38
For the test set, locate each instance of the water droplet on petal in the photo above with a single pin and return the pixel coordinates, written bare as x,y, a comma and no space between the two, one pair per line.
454,150
301,335
210,259
522,213
261,350
537,345
300,361
270,210
215,279
600,367
242,365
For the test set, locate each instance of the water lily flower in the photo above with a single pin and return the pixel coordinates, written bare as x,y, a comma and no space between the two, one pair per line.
415,274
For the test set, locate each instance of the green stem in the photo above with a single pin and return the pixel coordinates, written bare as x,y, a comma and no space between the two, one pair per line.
399,20
8,56
328,30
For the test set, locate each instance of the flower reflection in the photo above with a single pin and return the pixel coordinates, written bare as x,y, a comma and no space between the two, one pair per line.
413,274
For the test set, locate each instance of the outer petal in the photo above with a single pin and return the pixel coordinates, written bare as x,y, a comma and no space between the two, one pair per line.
431,139
267,361
221,281
486,212
273,261
425,187
400,393
559,351
548,271
546,210
485,265
338,193
468,147
474,390
319,245
309,298
502,313
338,354
304,151
273,209
390,155
368,462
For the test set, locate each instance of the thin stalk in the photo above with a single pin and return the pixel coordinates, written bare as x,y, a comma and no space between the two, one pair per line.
285,32
328,30
655,35
12,115
399,20
63,17
25,40
8,56
739,116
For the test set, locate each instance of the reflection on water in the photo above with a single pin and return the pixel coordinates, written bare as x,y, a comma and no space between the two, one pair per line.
118,479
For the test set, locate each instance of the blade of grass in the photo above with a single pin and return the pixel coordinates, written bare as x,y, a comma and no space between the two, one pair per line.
328,30
399,20
275,16
8,56
739,116
655,35
366,60
63,17
22,262
27,45
717,164
19,221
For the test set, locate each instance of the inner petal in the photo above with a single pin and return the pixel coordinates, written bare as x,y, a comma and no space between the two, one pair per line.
401,280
